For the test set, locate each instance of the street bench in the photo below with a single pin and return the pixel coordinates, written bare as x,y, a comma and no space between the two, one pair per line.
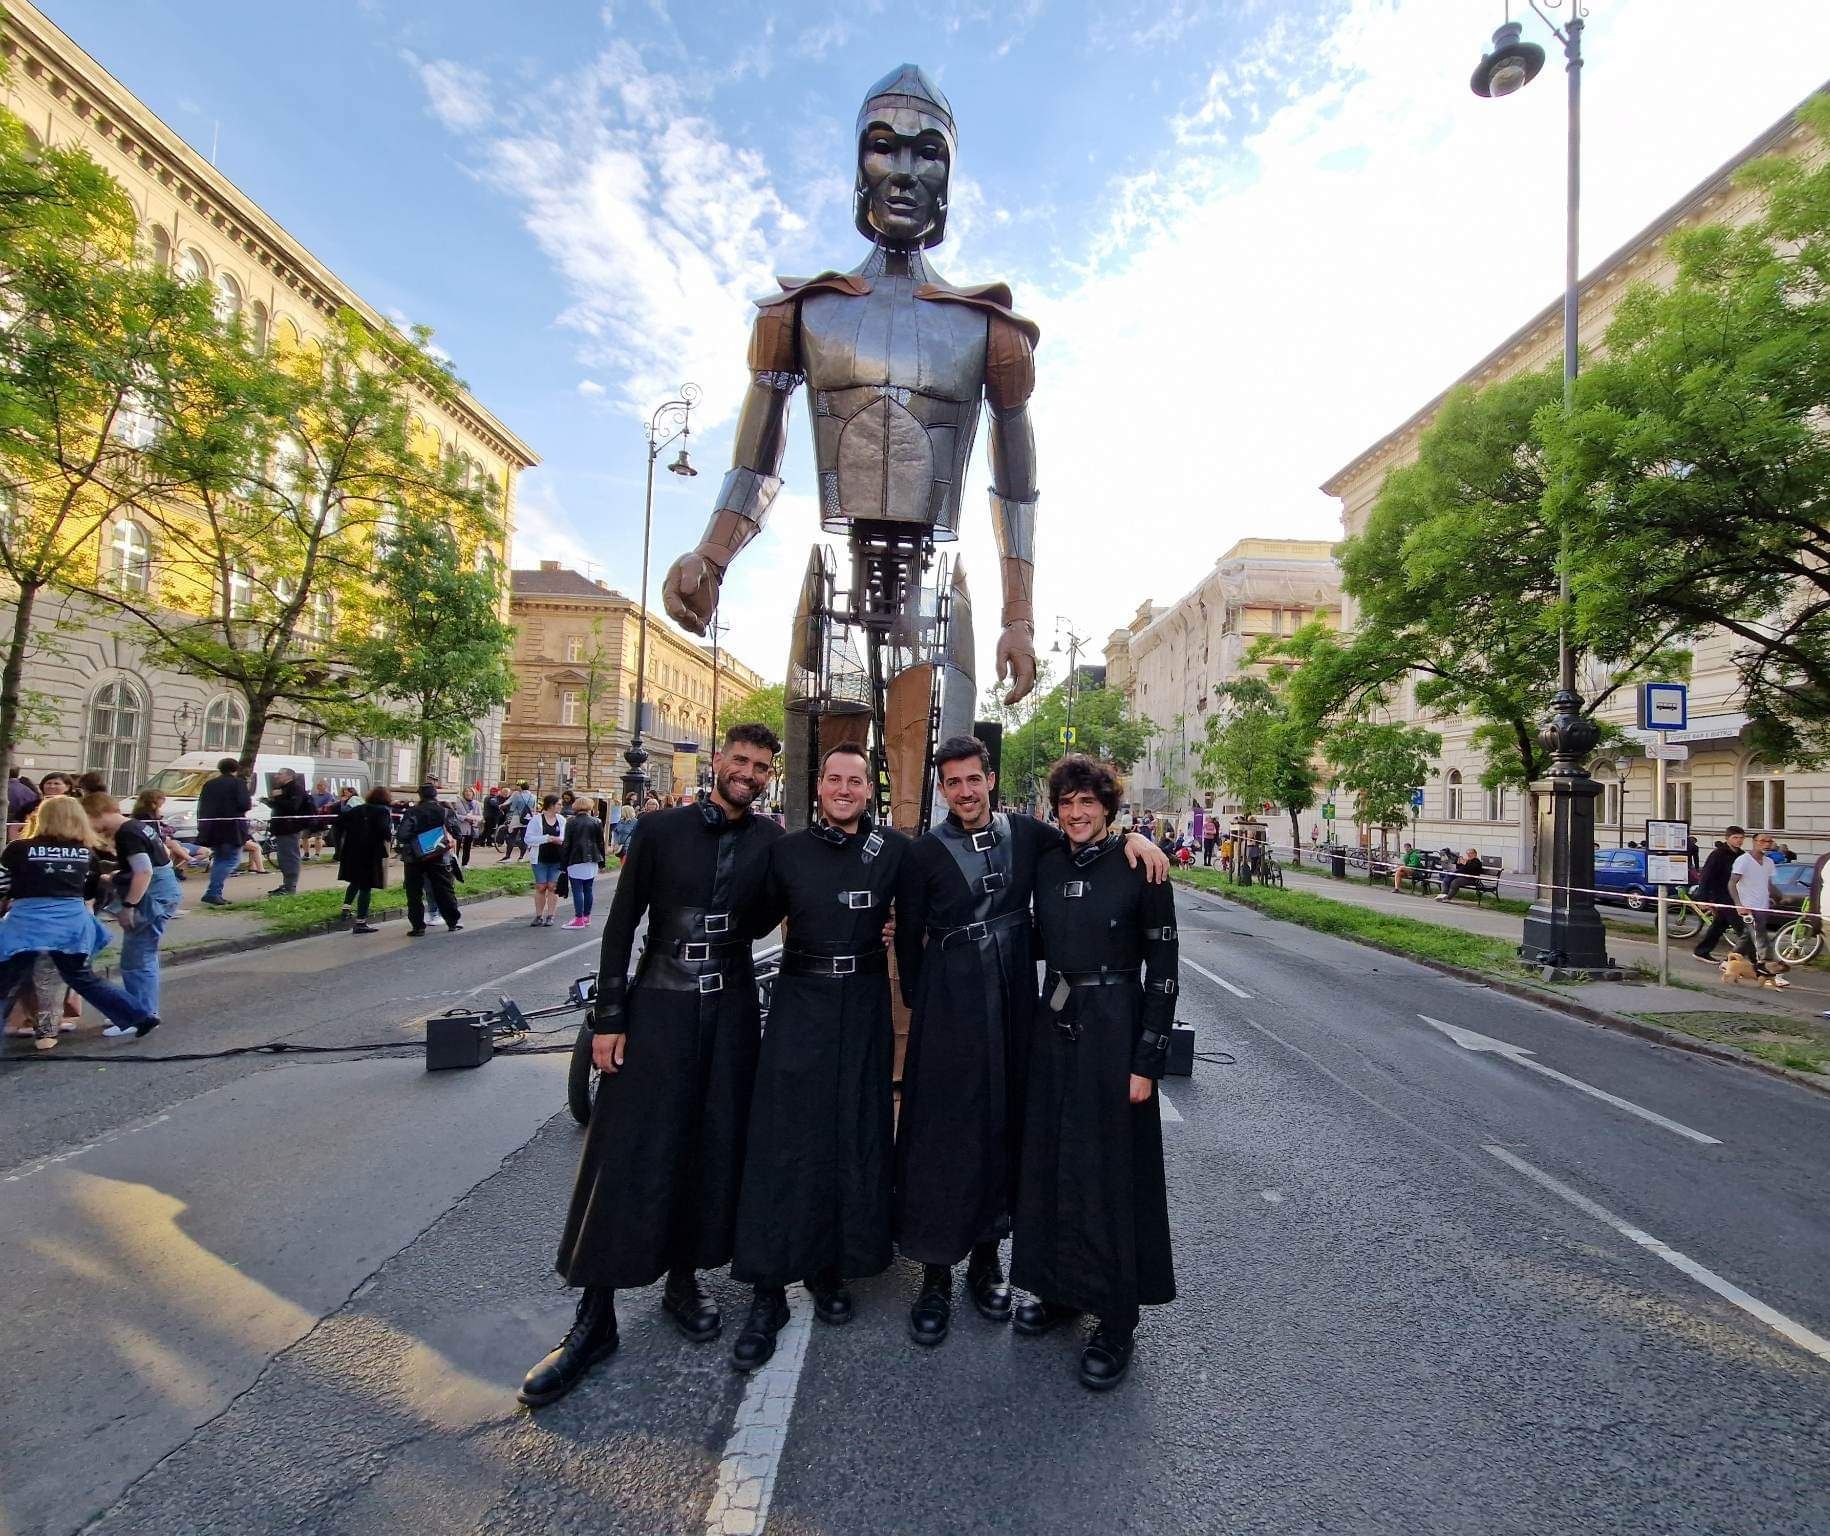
1487,885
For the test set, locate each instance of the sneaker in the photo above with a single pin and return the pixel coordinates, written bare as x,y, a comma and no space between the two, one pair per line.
416,933
1706,959
214,901
44,1043
579,922
365,928
454,927
132,1031
547,921
538,922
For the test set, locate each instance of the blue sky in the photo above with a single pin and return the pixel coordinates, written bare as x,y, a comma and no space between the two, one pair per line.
1257,235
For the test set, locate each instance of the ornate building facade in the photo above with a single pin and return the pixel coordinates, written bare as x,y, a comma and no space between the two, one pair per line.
1168,661
119,713
576,646
1722,781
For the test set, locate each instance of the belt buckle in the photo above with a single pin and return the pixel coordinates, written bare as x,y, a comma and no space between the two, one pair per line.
859,900
1068,1027
717,922
994,881
976,931
985,841
694,950
711,983
844,965
1073,888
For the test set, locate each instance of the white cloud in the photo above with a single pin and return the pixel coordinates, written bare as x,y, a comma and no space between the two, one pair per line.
591,389
544,531
457,94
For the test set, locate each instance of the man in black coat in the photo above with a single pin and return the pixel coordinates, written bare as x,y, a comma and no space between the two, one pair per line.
293,816
222,826
658,1179
816,1176
426,863
1712,887
966,961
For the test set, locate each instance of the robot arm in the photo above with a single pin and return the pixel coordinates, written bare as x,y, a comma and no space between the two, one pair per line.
690,591
1010,375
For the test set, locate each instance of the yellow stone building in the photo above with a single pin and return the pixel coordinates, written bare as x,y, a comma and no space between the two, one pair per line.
1722,781
1168,660
576,643
120,714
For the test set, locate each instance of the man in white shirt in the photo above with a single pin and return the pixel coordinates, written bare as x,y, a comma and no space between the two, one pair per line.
1750,887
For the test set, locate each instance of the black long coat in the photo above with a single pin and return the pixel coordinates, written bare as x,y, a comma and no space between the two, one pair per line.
817,1177
971,1001
364,834
658,1179
1092,1228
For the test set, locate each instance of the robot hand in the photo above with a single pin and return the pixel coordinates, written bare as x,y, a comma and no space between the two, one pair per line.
690,592
1016,660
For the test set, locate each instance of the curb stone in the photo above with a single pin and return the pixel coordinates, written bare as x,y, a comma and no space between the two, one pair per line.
1658,1034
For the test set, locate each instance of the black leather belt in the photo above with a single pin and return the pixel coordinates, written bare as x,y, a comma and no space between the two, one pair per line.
696,950
971,933
869,962
1094,978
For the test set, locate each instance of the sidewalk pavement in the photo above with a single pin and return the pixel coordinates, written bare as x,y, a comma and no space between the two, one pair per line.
1696,987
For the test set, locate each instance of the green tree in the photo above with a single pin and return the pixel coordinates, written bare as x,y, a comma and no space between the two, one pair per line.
435,656
1380,763
1259,747
85,326
761,704
291,476
1456,578
1104,728
600,705
1698,461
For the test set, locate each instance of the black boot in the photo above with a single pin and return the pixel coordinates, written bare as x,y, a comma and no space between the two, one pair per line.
592,1336
756,1342
831,1300
1106,1358
691,1307
933,1308
985,1279
1039,1317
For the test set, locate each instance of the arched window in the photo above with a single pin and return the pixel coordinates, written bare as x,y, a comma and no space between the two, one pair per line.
259,325
160,245
129,556
117,732
1454,806
305,738
228,298
225,722
192,268
1766,798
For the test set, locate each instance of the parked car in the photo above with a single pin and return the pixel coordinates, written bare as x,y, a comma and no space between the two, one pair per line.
1792,885
1620,876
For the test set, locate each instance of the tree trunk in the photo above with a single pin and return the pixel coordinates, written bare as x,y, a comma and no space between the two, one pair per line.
424,745
258,708
15,668
1296,837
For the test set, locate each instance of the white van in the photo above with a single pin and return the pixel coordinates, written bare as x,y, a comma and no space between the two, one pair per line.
185,776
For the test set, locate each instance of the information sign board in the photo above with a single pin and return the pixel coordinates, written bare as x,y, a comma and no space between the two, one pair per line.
1667,837
1667,868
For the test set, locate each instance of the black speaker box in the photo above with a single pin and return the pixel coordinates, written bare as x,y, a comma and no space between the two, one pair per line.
1181,1062
458,1039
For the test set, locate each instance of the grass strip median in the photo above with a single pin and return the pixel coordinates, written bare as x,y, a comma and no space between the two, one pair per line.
310,911
1404,935
1796,1043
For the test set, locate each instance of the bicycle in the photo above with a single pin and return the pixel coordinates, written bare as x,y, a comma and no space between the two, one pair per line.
1795,942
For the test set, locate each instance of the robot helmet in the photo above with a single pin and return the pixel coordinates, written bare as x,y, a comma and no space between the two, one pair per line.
911,102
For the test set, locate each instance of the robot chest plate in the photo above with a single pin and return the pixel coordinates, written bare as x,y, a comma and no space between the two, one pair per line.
896,383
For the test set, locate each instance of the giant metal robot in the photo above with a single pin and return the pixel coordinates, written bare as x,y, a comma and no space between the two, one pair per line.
898,363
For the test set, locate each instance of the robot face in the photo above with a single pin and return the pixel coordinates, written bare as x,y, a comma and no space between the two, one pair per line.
903,166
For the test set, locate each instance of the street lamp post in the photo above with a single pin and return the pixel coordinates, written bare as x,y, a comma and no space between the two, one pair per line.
1062,626
184,719
1563,929
717,629
1622,767
667,413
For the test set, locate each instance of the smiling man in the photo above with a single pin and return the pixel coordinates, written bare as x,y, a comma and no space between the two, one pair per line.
967,965
816,1179
657,1182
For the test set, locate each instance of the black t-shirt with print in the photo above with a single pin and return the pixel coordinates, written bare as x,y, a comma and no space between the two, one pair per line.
133,837
45,867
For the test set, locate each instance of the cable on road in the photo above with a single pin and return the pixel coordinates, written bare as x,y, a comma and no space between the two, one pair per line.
515,1042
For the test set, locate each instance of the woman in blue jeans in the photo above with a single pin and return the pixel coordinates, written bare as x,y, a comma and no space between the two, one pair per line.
54,873
151,893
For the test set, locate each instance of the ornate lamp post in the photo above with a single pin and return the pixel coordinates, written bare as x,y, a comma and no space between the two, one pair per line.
676,413
1563,930
1622,767
184,719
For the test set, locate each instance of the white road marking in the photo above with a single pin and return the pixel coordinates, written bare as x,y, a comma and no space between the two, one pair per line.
1218,981
1167,1107
1468,1040
27,1170
746,1475
1800,1335
558,954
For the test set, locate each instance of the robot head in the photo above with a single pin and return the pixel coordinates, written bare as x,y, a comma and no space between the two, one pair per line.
906,144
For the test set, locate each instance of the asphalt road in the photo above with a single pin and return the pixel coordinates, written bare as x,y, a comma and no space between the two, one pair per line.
1425,1287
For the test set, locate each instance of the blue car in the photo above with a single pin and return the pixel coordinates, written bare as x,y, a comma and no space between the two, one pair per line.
1620,876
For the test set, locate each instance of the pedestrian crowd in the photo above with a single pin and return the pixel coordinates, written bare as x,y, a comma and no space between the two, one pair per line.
1029,1113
